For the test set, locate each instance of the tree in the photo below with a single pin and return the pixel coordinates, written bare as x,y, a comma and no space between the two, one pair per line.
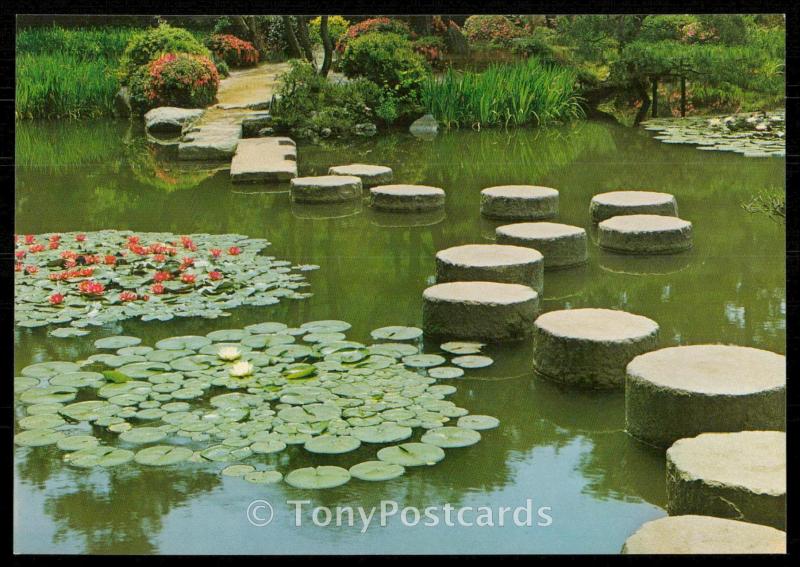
327,46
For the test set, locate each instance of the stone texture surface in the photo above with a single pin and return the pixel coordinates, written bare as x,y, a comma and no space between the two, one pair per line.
645,234
213,140
590,347
741,476
491,263
255,123
170,119
406,198
684,391
616,203
326,189
425,127
488,311
270,160
369,174
519,202
692,534
562,245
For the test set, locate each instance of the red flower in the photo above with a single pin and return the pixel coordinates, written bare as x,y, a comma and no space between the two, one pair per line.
91,287
133,239
234,250
128,296
188,278
157,289
70,263
68,254
31,270
56,299
55,237
36,248
53,245
110,260
20,254
215,276
187,261
80,237
145,297
215,252
30,239
85,272
159,258
18,267
159,277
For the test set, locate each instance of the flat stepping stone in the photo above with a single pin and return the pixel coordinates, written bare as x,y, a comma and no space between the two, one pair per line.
562,245
698,535
326,189
212,141
616,203
729,475
406,198
519,202
684,391
645,234
488,311
369,174
590,347
491,263
266,160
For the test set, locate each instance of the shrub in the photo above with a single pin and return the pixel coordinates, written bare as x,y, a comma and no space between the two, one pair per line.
234,51
337,26
386,59
383,25
497,30
155,42
175,79
431,47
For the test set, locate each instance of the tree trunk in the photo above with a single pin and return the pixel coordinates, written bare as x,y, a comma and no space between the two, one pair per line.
255,32
422,25
241,26
655,97
683,96
291,38
327,45
641,91
305,41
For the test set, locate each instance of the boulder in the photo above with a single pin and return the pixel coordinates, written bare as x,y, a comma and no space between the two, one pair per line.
170,119
122,103
427,126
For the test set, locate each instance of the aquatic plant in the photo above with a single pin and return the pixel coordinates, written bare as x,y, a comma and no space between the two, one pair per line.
524,93
771,202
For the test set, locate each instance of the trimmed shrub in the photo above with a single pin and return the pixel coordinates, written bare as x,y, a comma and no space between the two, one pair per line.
234,51
497,30
337,27
431,47
175,79
386,59
155,42
382,24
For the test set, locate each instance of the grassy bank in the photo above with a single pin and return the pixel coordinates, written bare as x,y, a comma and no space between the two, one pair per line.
516,94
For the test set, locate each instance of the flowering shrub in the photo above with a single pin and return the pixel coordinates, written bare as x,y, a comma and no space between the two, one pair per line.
383,25
233,51
153,43
493,29
432,48
175,80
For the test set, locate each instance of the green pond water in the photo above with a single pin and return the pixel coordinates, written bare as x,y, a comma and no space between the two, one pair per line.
562,448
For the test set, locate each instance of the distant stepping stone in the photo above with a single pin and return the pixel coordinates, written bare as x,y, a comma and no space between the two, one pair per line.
519,202
488,311
406,198
703,535
562,245
683,391
590,347
491,263
369,174
616,203
729,475
645,234
326,189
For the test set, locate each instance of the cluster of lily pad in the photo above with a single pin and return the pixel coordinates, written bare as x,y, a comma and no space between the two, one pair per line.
235,394
95,278
753,136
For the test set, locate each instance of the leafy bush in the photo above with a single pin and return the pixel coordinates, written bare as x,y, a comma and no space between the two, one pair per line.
386,59
498,30
155,42
175,79
383,25
431,47
337,26
234,51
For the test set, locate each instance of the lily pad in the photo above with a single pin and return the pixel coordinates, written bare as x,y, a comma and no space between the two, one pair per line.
423,360
376,471
332,445
263,477
478,422
451,437
396,333
37,437
43,421
162,455
472,361
268,446
77,442
462,347
383,433
99,456
315,478
143,435
117,342
238,470
445,372
411,454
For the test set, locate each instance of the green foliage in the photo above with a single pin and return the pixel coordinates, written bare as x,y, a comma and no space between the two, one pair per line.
386,59
382,25
174,79
497,30
310,106
233,51
770,201
337,26
526,93
431,47
147,46
78,43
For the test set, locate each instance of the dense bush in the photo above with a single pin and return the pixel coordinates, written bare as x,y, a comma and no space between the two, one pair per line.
175,79
234,51
431,47
386,59
155,42
310,106
382,25
498,30
337,26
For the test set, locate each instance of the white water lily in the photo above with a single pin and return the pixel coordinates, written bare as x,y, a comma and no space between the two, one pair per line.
241,369
229,353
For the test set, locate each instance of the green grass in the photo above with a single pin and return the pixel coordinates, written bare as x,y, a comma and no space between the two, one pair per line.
770,201
84,44
516,94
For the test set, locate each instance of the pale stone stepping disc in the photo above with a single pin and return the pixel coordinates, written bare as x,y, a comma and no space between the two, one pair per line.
615,203
645,234
492,263
406,198
519,202
369,174
326,189
562,245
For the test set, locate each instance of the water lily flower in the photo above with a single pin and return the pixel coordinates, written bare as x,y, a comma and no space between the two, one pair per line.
20,254
70,263
18,267
215,252
80,237
241,369
56,299
188,278
159,277
54,237
30,239
36,248
157,289
68,254
229,353
234,250
133,239
215,276
31,270
159,258
128,296
53,245
110,260
90,287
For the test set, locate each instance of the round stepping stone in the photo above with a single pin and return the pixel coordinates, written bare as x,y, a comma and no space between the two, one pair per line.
702,535
645,234
684,391
491,263
562,245
326,189
729,475
489,311
406,198
369,174
616,203
590,347
520,202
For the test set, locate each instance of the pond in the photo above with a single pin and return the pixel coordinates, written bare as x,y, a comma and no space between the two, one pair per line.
559,447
